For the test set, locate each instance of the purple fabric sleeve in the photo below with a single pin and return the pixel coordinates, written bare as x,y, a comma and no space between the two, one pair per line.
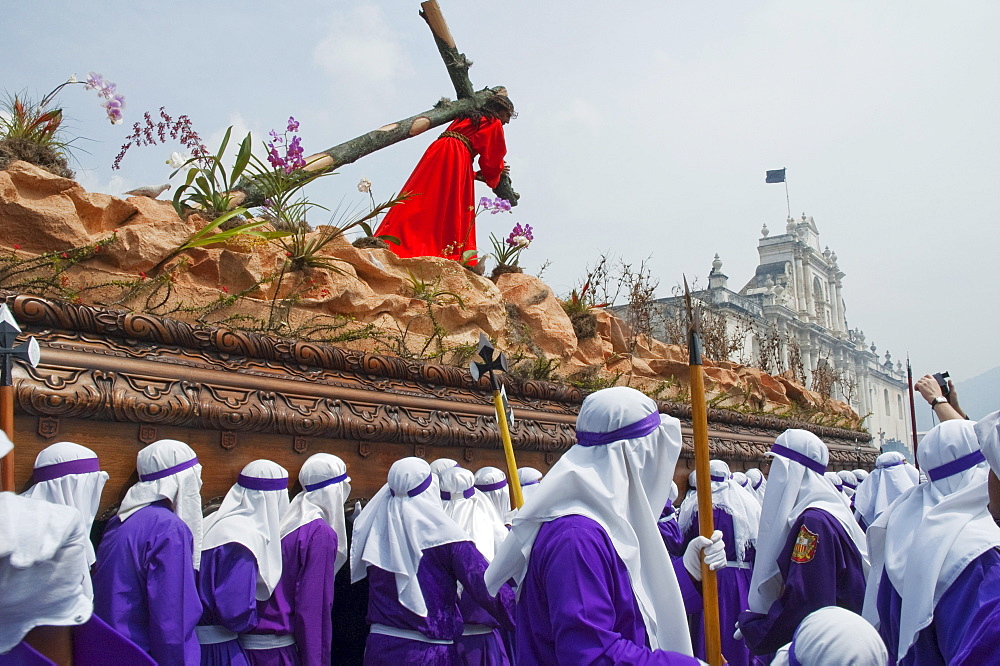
469,566
23,654
969,630
94,641
226,584
313,626
577,605
144,584
834,576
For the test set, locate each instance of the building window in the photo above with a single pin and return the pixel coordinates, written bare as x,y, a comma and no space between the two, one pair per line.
887,412
899,404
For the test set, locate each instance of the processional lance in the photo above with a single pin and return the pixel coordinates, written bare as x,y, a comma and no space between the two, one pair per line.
699,424
28,353
493,361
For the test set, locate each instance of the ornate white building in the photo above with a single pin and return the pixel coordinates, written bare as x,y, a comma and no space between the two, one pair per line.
795,300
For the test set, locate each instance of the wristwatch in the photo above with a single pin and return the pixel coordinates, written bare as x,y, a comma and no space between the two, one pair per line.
937,401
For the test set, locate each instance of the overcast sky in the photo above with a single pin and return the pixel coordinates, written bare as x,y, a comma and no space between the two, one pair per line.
645,127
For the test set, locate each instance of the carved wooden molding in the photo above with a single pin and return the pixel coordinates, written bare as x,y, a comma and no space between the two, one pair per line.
108,365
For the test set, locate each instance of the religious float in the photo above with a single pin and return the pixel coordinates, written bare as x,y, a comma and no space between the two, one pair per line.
218,321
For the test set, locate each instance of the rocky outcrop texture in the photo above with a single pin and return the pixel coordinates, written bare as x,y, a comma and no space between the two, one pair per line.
425,308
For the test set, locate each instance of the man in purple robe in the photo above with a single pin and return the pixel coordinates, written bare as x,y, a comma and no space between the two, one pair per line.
311,533
481,642
595,580
932,589
414,557
736,514
810,551
240,561
144,584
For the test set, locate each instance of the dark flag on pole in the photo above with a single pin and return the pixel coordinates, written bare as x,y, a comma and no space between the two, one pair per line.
776,176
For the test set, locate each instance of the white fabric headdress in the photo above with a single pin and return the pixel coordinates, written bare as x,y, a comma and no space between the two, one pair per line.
730,497
439,466
833,635
849,482
674,492
757,483
44,575
741,479
860,475
616,475
529,478
70,474
325,488
492,482
473,512
988,434
400,522
950,515
887,482
168,470
796,483
250,515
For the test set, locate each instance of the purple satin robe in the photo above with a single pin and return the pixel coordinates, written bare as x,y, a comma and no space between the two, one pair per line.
226,584
733,586
144,584
833,576
670,530
577,604
302,602
440,568
969,610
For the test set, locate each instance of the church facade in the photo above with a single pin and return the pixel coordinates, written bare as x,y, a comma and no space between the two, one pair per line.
791,317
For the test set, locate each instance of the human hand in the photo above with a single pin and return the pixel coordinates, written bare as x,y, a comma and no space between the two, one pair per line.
738,635
712,551
928,388
953,398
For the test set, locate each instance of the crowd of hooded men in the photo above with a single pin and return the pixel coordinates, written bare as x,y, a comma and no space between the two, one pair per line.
597,567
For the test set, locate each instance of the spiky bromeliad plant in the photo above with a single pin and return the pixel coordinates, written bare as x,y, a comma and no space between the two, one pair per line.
34,132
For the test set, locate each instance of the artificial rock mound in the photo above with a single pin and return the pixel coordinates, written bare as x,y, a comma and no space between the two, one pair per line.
427,307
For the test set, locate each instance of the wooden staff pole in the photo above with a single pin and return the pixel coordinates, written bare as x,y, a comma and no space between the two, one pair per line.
7,424
913,411
699,424
516,495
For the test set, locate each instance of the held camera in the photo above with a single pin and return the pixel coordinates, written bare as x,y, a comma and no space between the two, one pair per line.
942,380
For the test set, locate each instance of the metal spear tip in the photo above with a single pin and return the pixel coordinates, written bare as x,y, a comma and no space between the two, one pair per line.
7,321
485,348
34,353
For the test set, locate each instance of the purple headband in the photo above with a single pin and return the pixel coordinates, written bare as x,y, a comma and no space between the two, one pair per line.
849,485
893,464
718,477
640,428
530,483
257,483
163,473
486,487
792,659
956,466
413,492
467,493
757,485
56,470
324,484
800,458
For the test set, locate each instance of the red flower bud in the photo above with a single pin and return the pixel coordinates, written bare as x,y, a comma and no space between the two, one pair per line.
16,246
65,256
225,290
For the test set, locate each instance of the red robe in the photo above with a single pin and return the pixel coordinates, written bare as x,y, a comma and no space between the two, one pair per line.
439,220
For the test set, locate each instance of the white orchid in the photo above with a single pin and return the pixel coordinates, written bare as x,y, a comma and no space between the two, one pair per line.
364,185
177,160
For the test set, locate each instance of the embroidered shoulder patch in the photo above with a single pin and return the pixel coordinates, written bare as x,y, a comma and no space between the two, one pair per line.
805,546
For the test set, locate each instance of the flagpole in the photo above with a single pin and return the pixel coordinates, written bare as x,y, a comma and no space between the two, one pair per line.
787,200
